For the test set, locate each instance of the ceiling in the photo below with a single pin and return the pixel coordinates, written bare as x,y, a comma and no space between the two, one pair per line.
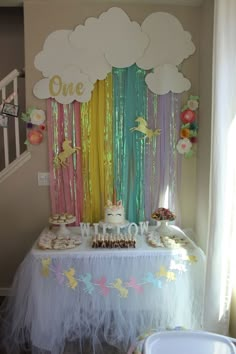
15,3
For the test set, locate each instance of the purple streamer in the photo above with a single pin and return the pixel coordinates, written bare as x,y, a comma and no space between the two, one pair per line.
162,163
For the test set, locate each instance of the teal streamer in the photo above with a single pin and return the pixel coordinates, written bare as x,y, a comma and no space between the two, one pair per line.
129,102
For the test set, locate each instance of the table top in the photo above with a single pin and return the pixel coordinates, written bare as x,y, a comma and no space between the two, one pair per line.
142,246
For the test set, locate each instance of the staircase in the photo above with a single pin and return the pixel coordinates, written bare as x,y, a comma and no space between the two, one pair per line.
13,151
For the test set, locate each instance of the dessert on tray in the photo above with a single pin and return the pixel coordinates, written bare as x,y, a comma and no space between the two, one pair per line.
113,241
51,241
64,218
163,214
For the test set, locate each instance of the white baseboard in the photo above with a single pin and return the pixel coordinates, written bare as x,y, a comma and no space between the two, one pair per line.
5,291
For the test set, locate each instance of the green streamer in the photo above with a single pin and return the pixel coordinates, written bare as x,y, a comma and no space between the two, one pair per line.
129,102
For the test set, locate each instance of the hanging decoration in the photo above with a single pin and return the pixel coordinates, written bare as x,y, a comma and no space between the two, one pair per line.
118,73
129,102
73,60
60,160
35,119
162,167
97,150
123,287
189,127
66,184
142,128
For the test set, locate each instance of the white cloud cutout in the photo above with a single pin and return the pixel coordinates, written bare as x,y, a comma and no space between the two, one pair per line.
169,43
70,86
58,54
89,52
120,40
166,78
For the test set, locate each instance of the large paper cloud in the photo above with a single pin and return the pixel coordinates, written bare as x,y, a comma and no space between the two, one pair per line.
166,78
169,43
121,41
58,54
70,86
113,40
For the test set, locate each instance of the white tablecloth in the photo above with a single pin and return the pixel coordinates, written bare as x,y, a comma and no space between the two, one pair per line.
103,295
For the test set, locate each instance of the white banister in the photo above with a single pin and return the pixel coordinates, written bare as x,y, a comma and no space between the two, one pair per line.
9,78
17,133
9,93
5,133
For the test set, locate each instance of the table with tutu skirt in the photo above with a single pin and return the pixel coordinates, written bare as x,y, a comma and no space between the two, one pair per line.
62,301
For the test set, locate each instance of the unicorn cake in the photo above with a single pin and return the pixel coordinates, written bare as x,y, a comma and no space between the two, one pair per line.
114,213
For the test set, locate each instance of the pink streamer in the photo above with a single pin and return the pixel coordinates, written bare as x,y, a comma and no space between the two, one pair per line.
78,173
67,172
66,192
50,156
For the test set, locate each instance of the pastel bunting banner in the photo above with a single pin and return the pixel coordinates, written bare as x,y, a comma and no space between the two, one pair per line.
125,286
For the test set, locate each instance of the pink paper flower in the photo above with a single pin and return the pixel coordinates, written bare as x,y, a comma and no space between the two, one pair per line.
188,116
184,146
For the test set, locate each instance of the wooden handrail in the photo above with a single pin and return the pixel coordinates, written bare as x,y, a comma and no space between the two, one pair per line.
10,77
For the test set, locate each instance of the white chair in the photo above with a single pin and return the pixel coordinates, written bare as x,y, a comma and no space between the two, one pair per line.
188,342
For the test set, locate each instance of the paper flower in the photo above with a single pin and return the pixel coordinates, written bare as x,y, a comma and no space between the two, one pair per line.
193,139
35,136
187,116
35,122
189,127
37,116
192,104
183,146
185,133
42,127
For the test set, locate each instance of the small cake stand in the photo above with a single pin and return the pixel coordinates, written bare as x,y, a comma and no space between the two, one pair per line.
62,230
163,229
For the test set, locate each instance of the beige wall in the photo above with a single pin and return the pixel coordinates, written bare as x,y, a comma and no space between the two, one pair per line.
204,144
25,207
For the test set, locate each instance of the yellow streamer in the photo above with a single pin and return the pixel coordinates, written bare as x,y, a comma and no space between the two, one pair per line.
96,130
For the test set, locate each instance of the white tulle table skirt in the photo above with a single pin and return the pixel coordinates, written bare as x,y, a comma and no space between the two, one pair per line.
102,296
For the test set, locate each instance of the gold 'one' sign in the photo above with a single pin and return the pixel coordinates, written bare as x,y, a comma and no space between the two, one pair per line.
58,87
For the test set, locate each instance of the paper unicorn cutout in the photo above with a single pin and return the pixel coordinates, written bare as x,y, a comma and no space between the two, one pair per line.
72,282
150,278
89,287
142,128
45,266
118,284
102,284
60,159
133,284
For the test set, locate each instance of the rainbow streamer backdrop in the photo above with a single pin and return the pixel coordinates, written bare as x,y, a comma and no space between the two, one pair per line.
145,175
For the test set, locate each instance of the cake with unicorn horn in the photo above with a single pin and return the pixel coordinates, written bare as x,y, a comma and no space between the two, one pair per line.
114,213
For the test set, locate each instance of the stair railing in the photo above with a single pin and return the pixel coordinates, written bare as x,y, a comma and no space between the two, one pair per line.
9,94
